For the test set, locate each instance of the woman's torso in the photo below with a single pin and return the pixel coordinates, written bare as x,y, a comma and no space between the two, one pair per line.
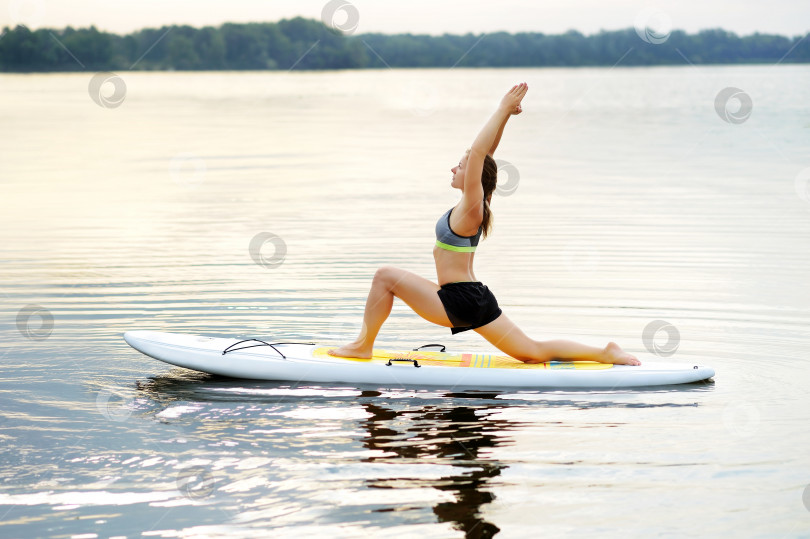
456,233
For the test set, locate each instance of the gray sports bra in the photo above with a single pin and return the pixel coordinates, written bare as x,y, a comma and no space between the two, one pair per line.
449,240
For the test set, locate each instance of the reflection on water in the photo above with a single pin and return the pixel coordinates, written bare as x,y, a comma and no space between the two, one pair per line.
633,203
456,434
389,426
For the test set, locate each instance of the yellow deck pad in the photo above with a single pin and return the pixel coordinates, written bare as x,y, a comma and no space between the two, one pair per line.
446,359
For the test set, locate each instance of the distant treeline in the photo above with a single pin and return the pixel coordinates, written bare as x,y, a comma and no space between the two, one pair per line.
309,44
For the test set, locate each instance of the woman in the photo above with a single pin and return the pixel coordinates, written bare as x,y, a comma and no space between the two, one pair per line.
461,302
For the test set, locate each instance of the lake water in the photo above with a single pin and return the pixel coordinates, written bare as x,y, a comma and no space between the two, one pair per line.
627,199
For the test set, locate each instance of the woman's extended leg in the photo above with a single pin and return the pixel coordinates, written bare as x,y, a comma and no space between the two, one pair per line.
419,293
508,338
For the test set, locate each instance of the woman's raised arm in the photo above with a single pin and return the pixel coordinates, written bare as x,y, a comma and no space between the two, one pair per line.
515,111
510,104
487,140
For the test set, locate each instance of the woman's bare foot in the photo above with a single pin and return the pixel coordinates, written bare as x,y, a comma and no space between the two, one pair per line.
614,354
350,350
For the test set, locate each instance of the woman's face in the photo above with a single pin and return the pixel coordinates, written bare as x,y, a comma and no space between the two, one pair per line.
458,173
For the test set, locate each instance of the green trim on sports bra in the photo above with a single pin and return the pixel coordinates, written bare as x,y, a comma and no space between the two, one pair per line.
455,248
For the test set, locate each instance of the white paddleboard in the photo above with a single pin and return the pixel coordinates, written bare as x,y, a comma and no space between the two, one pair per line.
294,362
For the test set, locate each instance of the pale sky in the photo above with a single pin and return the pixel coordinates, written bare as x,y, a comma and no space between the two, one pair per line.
786,17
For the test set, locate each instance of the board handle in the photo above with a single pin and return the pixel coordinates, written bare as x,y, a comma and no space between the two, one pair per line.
444,348
415,363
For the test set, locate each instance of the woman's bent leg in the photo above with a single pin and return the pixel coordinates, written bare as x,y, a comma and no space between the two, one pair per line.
508,338
419,293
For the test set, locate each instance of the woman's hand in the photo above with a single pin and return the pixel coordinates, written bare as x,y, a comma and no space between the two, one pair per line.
487,140
511,101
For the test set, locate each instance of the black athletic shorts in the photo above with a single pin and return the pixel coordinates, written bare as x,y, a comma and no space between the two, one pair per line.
468,305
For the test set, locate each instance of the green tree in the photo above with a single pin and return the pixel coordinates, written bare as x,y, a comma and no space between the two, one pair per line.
309,44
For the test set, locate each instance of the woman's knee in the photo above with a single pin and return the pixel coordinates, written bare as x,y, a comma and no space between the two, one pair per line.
542,352
528,350
386,276
533,352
